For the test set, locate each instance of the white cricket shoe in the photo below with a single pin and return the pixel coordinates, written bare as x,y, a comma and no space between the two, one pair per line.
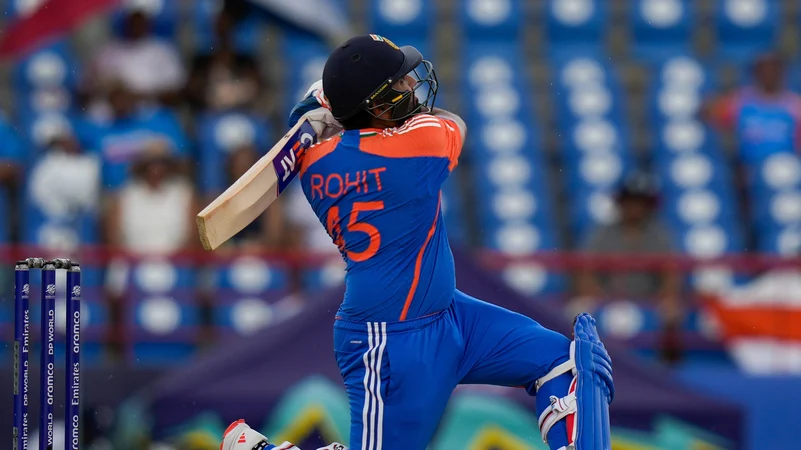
239,436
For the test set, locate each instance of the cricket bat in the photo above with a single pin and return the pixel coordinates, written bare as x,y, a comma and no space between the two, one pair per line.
246,199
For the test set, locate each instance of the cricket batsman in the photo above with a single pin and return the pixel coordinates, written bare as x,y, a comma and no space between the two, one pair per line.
404,336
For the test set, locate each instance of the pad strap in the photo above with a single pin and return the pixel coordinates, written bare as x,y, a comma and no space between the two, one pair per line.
565,367
559,409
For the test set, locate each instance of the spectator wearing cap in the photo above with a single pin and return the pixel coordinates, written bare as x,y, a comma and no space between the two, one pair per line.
224,78
636,232
127,129
150,66
765,116
154,211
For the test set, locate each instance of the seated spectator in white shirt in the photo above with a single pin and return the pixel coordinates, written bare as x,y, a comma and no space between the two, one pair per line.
154,212
149,65
637,232
63,211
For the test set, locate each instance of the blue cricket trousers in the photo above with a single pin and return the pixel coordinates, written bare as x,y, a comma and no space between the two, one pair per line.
399,375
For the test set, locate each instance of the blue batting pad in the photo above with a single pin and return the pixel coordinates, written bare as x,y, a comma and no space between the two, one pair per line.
594,389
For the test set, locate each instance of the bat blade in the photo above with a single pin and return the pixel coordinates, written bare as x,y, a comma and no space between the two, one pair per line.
250,195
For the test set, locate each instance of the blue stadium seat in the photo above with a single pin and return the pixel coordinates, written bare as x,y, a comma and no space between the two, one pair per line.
777,210
710,241
693,170
680,137
305,57
596,171
497,102
572,69
775,189
519,238
54,65
784,241
778,172
246,289
492,20
38,229
34,103
683,70
576,25
745,28
533,280
595,136
678,87
221,133
39,129
246,34
162,314
661,28
330,275
588,100
588,209
486,63
513,174
19,8
694,207
401,19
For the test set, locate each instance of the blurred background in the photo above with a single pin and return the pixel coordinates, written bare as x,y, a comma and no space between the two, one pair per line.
638,159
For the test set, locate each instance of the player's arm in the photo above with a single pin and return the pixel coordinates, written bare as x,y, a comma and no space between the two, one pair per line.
447,115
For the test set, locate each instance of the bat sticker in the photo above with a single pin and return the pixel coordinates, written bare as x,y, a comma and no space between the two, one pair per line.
287,161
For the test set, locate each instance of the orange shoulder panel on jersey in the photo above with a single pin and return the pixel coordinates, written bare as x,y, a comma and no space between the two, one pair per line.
422,135
317,152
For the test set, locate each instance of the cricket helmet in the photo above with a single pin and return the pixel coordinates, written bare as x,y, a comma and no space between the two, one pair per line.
360,73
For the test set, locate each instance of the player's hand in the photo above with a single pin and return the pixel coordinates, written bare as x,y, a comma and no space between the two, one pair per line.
315,108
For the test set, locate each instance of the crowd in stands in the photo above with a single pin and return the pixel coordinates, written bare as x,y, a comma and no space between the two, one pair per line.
122,148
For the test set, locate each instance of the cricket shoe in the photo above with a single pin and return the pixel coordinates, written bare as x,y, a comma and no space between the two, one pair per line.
239,436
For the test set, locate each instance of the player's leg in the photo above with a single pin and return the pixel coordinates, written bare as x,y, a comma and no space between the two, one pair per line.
398,378
572,380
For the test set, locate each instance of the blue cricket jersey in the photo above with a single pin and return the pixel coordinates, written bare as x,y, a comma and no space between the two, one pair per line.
377,193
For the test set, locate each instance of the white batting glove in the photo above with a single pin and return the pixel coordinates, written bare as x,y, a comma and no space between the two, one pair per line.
316,109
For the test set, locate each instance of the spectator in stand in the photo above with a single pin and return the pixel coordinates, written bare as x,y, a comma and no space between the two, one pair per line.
128,130
154,211
60,213
638,232
269,231
12,156
224,78
765,116
149,65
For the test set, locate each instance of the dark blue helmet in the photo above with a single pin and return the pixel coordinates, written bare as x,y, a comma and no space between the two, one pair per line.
360,73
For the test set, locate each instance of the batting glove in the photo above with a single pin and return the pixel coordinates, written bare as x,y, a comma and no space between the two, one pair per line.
316,109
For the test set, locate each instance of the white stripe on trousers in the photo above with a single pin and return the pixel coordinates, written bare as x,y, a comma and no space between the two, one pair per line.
372,426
